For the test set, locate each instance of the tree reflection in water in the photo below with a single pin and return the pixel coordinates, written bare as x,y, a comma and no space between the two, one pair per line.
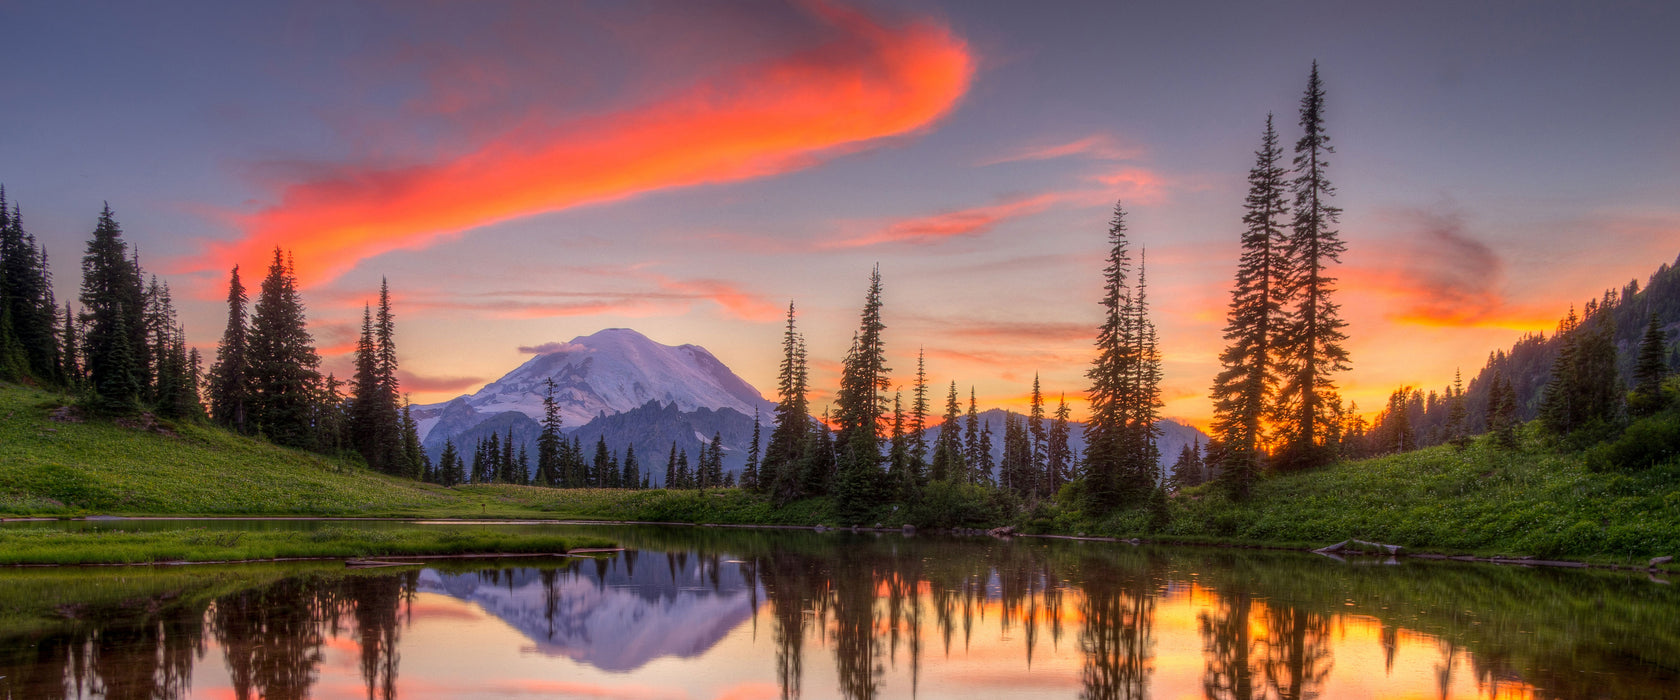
271,638
1119,610
890,610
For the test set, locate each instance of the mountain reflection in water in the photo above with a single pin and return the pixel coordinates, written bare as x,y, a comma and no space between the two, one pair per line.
698,613
611,615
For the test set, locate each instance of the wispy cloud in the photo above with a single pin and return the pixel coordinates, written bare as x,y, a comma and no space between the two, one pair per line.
1435,273
411,382
866,80
1095,146
932,228
665,297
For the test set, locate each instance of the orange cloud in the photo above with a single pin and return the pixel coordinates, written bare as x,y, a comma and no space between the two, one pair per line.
410,381
1099,146
740,304
1135,185
972,221
866,82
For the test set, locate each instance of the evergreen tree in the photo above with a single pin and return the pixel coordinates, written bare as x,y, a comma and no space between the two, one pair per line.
714,462
685,478
784,457
522,467
230,381
749,473
449,465
375,424
332,423
1120,463
603,458
632,470
112,303
1649,371
981,472
282,359
1584,388
918,421
1244,390
178,396
14,364
972,459
1188,471
549,443
70,350
579,467
478,475
1502,410
819,459
1310,348
1058,458
1040,442
671,469
1457,414
948,462
861,404
1016,471
510,470
901,481
26,294
414,458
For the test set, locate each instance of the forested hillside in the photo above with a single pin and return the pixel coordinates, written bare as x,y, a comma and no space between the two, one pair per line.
1527,365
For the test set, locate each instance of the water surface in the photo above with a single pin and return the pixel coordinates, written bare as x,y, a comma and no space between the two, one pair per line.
742,614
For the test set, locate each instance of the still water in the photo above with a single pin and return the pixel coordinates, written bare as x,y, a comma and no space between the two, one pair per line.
752,614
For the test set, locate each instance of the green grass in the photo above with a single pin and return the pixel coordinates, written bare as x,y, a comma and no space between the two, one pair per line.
48,545
1482,500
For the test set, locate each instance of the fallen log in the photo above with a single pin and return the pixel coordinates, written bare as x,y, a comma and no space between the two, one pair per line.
1343,546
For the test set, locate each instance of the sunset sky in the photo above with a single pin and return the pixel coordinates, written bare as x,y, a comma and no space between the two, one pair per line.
527,172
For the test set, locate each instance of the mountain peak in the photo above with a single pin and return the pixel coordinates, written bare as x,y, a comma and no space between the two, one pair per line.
605,373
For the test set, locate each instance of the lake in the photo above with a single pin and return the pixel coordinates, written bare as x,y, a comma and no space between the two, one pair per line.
699,612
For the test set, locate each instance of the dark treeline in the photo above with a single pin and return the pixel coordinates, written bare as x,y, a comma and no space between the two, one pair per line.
873,450
1600,373
267,379
123,352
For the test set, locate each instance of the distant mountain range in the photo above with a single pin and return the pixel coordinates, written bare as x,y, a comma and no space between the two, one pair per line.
632,390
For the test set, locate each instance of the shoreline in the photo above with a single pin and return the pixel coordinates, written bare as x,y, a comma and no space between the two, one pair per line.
1525,562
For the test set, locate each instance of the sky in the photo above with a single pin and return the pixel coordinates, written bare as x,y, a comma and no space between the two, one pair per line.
527,172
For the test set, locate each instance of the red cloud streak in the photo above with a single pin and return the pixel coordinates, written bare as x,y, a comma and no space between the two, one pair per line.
868,82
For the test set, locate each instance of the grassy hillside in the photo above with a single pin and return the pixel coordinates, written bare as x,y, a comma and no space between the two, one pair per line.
1481,500
49,467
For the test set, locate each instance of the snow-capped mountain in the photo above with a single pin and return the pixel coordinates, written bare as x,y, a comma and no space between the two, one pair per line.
613,371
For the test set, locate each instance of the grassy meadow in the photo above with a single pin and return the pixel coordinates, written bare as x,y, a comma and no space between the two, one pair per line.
1533,501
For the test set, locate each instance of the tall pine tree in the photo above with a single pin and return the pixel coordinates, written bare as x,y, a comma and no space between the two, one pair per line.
1244,390
1120,464
1310,348
230,381
283,362
862,407
784,457
113,309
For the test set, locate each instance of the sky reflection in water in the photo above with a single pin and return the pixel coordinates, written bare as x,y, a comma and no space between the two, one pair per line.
693,614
